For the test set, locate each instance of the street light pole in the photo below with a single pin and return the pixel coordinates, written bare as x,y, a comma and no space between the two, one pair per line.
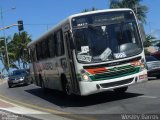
7,27
5,41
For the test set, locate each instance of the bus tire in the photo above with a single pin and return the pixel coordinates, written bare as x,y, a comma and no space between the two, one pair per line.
120,90
65,85
9,85
42,83
31,80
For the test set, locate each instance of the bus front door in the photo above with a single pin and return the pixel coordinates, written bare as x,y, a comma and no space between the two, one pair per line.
74,82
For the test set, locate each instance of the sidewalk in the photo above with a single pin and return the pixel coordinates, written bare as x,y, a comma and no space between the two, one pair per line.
2,81
11,111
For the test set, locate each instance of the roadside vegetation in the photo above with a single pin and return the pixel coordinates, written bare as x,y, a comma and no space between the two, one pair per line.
17,51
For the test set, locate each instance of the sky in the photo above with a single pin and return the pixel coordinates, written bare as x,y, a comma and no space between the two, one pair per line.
40,15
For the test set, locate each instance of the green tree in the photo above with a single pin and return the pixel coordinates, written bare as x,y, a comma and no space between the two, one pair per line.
148,41
3,56
18,46
87,10
158,44
140,10
2,52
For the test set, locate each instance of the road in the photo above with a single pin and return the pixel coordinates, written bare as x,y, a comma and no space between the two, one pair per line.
139,99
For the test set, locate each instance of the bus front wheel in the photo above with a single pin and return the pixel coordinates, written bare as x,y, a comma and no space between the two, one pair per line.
65,86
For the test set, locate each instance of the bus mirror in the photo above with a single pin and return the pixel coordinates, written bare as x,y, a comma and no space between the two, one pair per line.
142,32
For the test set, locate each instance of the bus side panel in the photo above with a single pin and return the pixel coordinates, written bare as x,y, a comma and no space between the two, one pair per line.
50,74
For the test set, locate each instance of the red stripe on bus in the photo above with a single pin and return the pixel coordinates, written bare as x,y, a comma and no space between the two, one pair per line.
96,70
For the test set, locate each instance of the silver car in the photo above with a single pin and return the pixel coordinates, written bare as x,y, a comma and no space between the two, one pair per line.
18,77
153,65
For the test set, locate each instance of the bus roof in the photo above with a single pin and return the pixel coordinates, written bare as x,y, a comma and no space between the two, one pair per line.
98,11
70,17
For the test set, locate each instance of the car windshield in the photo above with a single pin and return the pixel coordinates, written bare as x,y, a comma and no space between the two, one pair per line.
150,58
19,72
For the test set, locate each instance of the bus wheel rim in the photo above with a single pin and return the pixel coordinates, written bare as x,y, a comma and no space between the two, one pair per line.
67,89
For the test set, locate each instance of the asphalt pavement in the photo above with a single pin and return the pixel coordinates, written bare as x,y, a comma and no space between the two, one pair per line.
12,111
141,99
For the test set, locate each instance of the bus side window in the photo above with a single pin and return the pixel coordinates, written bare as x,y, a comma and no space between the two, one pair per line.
43,55
52,46
45,49
62,43
34,55
56,45
39,51
59,45
31,55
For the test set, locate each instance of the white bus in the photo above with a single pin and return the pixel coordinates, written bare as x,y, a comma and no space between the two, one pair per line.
89,53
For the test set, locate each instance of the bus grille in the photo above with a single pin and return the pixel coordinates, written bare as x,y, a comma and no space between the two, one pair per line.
116,72
117,83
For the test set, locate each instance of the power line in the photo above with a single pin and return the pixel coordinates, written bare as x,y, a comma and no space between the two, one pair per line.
37,24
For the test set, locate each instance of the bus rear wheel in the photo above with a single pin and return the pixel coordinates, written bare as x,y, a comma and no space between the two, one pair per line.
120,90
42,84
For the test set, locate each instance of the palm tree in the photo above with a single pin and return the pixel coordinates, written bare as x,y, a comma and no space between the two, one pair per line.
18,45
3,56
140,10
87,10
148,41
2,51
16,51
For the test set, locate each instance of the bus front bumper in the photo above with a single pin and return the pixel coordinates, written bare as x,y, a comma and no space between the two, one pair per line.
87,88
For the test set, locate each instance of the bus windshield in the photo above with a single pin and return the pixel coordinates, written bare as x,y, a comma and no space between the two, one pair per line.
99,42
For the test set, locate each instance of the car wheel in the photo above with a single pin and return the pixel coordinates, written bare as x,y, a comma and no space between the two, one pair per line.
9,85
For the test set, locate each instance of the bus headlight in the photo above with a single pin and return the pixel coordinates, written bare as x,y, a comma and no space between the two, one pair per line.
143,65
21,78
85,77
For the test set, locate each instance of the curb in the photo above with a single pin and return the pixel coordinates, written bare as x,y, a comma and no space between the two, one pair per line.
11,111
2,81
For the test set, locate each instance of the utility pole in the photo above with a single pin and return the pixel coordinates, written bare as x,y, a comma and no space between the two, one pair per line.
5,41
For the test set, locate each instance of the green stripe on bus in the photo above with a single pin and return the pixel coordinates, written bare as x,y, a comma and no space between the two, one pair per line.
93,78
